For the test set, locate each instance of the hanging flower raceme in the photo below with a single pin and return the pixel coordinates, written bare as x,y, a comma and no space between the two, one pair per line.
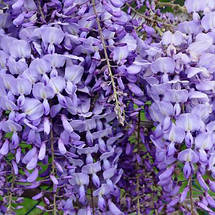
74,77
182,107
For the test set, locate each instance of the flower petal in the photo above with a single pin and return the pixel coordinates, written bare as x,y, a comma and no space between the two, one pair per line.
33,176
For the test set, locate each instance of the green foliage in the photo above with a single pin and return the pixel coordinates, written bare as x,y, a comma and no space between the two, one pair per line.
27,205
8,135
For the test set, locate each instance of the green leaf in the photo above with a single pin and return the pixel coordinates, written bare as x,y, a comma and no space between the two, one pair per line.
27,205
8,135
142,116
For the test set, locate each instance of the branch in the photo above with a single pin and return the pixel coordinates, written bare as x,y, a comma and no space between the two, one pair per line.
119,112
150,19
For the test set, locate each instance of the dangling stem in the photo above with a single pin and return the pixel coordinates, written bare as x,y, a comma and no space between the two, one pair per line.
91,196
153,196
191,196
41,11
138,129
138,197
172,5
119,112
10,197
52,151
149,19
138,177
53,171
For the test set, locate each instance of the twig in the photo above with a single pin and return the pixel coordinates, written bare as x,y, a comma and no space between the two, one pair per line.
53,171
138,128
138,197
10,197
138,179
139,142
155,209
191,196
41,11
119,112
141,15
172,5
153,21
91,196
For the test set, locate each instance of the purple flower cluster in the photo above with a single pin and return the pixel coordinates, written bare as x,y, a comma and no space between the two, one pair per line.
181,85
66,77
75,76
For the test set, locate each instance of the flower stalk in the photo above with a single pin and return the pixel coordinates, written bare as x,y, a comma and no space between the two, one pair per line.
10,196
120,114
91,197
53,170
172,5
191,196
138,197
150,19
41,11
138,176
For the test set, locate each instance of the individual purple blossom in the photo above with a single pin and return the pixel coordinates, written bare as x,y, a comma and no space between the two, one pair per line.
194,5
188,155
39,66
202,182
184,194
33,162
4,148
113,208
33,176
51,35
61,147
33,108
164,65
207,21
93,168
81,179
189,122
176,39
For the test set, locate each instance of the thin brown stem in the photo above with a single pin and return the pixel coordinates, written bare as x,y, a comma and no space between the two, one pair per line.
91,196
41,11
191,196
138,128
153,199
53,170
119,112
172,5
10,196
141,15
138,197
138,177
54,205
149,19
52,151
